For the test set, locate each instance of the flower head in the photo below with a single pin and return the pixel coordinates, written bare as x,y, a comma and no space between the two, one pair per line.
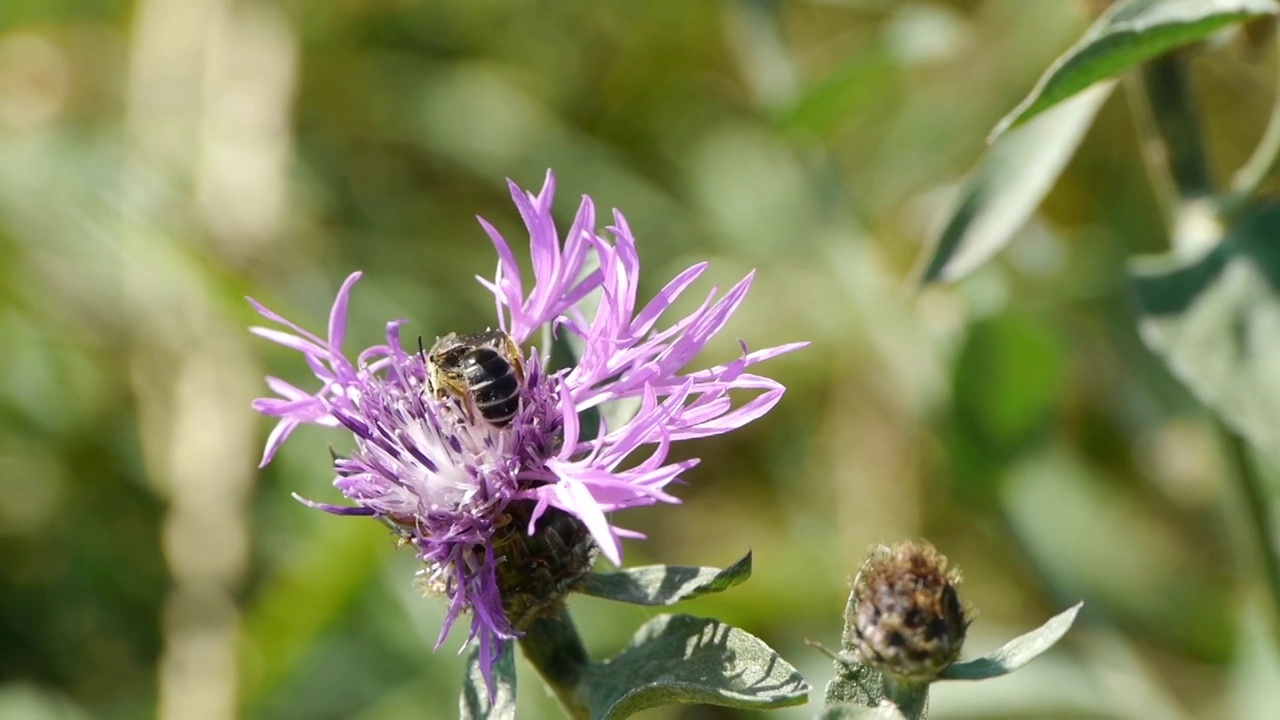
505,513
905,618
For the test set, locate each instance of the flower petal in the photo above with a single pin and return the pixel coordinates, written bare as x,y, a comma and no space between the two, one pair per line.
338,314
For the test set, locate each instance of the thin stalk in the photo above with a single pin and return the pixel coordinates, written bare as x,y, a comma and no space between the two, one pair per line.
1166,116
1177,124
1263,164
1152,146
1180,162
1257,499
554,649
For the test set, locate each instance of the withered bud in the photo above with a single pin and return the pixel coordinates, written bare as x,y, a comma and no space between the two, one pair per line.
905,617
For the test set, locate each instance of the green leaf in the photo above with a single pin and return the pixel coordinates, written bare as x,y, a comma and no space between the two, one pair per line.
689,660
1008,185
1130,33
861,686
1215,321
665,584
854,683
1017,652
475,703
846,711
1009,378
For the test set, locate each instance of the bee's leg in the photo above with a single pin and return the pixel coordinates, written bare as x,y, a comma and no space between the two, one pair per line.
513,355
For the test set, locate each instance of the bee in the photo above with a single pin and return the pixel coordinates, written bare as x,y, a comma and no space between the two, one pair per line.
483,370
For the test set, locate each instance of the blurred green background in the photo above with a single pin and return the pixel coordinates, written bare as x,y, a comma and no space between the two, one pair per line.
161,159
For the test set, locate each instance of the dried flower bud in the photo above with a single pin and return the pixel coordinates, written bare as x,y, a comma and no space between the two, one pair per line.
906,619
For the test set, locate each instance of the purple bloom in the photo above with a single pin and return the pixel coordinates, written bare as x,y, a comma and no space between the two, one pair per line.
448,481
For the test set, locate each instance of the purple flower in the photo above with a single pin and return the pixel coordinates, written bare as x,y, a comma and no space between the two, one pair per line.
451,483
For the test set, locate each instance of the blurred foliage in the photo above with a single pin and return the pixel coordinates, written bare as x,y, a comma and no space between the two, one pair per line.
163,158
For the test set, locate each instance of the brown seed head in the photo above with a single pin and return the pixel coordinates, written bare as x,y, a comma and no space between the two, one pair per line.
907,620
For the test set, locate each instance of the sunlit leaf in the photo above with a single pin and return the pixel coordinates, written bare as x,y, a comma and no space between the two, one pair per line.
1126,35
1017,652
475,703
1008,185
1215,320
665,584
689,660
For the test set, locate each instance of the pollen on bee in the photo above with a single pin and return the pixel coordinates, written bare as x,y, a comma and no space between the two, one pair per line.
483,372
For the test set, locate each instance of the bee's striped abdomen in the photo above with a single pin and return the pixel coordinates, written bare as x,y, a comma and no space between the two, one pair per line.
493,384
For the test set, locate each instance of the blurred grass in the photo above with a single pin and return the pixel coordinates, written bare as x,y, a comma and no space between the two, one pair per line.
161,159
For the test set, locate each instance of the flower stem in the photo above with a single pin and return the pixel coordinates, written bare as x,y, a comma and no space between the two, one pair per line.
1257,502
1179,156
553,647
1168,90
911,698
1165,112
